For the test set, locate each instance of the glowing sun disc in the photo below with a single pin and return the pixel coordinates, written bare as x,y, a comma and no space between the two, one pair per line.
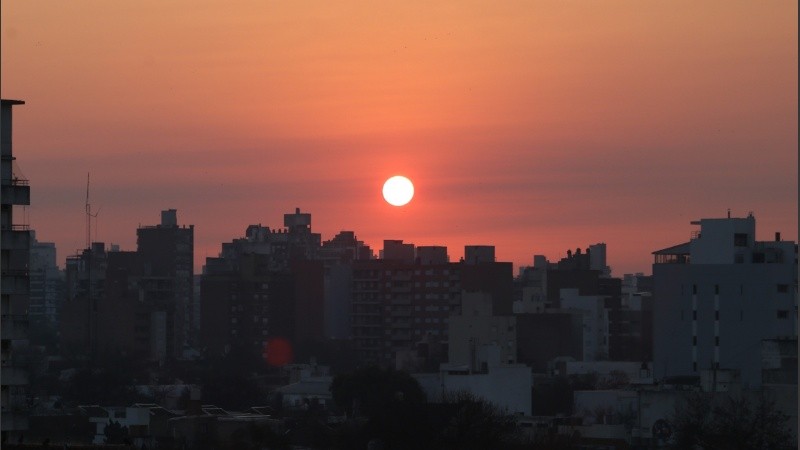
398,190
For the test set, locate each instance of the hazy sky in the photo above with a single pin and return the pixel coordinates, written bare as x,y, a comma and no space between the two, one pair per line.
535,126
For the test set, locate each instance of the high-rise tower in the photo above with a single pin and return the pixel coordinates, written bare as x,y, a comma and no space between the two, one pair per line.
15,287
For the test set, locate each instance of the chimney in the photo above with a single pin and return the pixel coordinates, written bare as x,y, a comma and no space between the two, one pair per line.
777,236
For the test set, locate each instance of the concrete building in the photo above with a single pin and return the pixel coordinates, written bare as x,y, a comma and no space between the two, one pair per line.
508,386
401,305
15,288
718,296
264,286
476,335
166,251
476,254
47,293
337,256
85,275
595,322
397,304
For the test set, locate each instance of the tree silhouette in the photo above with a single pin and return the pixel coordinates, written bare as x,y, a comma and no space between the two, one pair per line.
731,423
116,433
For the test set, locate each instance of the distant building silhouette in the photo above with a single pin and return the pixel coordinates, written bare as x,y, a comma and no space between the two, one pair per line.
47,292
136,304
718,297
167,254
15,287
267,285
403,302
612,326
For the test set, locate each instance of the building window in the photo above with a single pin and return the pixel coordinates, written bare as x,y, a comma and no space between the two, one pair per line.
716,315
694,289
694,315
783,314
783,288
716,341
716,289
740,240
694,340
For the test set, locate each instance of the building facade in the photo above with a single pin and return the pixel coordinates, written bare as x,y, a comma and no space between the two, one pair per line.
15,288
718,296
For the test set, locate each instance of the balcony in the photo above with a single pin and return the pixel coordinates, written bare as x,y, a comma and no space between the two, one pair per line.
14,376
14,327
13,420
16,194
16,238
15,282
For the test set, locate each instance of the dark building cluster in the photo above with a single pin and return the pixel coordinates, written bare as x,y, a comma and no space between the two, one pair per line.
134,347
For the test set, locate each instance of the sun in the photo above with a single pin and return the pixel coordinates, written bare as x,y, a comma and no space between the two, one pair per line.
398,190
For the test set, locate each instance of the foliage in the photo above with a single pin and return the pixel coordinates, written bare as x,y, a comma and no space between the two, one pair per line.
115,433
388,410
392,402
731,423
476,424
370,390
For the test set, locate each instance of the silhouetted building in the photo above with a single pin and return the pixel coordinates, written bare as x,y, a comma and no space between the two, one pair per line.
15,287
85,289
403,303
264,286
543,337
46,294
718,296
167,254
396,250
476,254
137,304
337,256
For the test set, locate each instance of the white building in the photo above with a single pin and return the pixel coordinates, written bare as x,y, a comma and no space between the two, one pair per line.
507,387
595,322
476,335
718,296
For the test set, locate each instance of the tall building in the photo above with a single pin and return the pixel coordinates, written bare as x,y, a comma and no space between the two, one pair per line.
85,275
47,292
719,296
404,302
337,256
15,287
136,304
167,254
264,286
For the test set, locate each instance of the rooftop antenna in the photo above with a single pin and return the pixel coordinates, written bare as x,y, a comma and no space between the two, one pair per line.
89,216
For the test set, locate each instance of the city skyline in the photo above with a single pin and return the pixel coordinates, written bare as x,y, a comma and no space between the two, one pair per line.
535,128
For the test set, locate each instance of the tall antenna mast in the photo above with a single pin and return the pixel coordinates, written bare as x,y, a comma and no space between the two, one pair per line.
88,215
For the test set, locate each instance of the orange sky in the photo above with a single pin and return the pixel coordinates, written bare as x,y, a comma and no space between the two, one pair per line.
536,126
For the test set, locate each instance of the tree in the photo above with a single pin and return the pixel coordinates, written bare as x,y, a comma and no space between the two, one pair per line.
391,402
115,433
475,423
730,423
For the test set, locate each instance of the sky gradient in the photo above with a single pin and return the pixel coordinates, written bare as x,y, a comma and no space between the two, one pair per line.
534,126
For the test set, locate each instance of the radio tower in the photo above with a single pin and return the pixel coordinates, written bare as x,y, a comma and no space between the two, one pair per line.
89,215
